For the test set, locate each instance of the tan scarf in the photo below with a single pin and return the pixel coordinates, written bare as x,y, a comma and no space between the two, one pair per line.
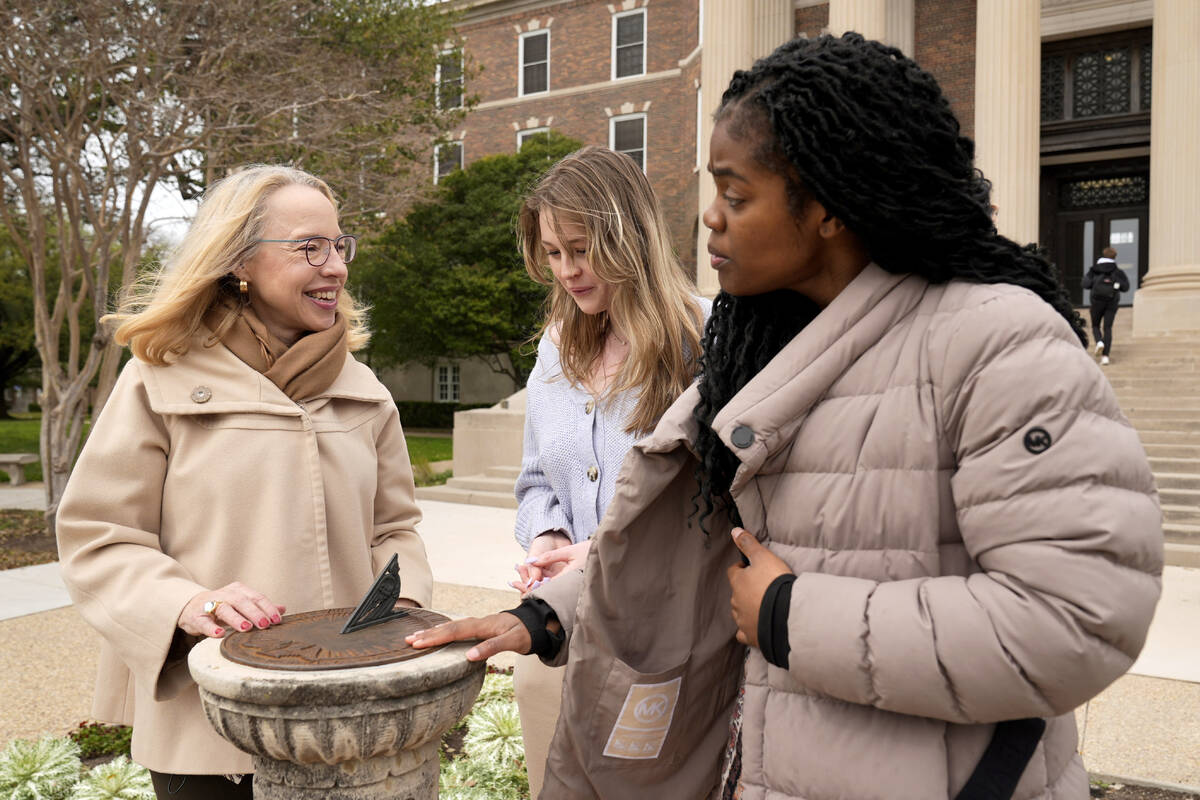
301,371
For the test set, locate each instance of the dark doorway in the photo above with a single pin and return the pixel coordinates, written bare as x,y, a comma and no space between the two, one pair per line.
1087,207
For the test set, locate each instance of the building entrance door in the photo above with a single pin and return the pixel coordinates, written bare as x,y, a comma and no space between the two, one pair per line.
1083,237
1088,207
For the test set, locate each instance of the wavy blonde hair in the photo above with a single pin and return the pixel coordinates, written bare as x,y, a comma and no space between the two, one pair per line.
161,316
628,246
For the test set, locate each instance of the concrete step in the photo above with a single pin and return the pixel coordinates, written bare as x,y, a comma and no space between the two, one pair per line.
481,483
1177,497
448,494
1189,451
1177,480
1180,466
1182,555
1168,437
1164,424
1181,533
1180,514
1164,412
512,473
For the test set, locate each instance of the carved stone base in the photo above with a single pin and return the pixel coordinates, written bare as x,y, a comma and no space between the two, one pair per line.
361,733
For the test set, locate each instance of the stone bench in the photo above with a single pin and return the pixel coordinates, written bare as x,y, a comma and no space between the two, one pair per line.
14,465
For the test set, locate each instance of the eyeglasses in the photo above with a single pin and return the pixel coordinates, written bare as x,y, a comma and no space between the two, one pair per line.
318,248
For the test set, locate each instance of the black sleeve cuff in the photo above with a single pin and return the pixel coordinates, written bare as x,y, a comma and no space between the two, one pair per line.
535,615
773,620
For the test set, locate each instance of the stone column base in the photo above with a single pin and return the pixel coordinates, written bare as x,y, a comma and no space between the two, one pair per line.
1169,303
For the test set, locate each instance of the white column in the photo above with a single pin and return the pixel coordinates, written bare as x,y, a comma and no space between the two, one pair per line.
1169,299
1007,113
900,25
868,17
735,33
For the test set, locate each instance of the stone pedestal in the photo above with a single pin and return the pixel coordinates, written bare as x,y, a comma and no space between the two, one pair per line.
362,732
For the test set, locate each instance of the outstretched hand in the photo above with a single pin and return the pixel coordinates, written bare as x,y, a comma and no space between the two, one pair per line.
500,632
750,582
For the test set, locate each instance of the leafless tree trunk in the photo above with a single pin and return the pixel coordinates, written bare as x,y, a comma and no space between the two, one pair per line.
101,103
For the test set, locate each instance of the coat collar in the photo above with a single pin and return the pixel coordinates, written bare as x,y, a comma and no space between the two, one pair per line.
776,402
212,380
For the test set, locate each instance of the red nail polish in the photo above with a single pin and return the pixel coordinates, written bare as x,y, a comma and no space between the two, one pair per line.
262,623
219,632
277,618
245,626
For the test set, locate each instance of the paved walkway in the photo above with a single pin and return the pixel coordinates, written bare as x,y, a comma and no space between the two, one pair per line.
1144,728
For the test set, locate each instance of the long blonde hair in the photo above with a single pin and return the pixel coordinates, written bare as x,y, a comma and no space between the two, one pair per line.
162,315
628,247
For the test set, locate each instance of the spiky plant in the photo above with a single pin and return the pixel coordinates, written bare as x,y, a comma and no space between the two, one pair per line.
46,769
480,779
496,686
494,733
119,779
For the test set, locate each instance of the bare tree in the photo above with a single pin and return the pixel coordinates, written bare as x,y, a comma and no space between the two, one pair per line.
102,103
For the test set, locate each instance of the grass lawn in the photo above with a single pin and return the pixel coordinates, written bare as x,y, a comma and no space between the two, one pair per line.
21,436
429,448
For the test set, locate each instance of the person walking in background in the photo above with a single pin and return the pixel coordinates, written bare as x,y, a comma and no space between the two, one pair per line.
898,530
245,463
619,342
1105,280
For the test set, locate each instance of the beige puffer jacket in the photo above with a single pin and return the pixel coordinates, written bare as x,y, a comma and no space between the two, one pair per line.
977,537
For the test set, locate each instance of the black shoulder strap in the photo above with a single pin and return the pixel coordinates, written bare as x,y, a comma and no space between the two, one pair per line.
998,771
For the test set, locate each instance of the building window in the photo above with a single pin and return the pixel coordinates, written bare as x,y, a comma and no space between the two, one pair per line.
447,383
446,158
1096,77
535,63
629,44
450,80
525,136
628,135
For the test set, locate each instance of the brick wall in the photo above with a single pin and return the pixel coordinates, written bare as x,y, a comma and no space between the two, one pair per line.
582,97
945,46
812,20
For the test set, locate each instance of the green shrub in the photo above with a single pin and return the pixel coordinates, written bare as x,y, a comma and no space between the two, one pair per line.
423,414
97,739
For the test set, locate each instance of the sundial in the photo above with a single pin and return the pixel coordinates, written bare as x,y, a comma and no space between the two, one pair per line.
339,638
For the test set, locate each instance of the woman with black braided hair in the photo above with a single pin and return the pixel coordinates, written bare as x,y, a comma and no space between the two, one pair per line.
949,533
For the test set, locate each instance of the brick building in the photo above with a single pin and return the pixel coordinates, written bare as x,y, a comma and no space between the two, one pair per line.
1085,113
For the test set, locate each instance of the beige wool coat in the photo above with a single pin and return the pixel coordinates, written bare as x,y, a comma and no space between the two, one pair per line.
957,566
201,473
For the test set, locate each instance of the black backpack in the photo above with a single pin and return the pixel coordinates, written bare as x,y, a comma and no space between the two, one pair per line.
1104,287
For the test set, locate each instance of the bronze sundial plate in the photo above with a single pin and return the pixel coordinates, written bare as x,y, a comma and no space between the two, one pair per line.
313,640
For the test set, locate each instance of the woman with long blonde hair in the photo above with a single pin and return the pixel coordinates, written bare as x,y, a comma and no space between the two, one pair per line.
620,341
244,464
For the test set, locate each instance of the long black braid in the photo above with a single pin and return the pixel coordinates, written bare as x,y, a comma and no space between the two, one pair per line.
865,131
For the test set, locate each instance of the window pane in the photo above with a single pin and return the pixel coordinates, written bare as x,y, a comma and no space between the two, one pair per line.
627,135
629,29
639,157
1053,68
1147,62
535,48
449,159
535,78
629,60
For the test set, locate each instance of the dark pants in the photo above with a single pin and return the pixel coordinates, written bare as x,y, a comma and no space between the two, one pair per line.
1104,310
201,787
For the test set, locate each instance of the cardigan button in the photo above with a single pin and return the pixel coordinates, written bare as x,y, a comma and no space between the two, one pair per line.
742,436
201,394
589,406
593,474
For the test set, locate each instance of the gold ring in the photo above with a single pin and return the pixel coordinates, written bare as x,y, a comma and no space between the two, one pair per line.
211,606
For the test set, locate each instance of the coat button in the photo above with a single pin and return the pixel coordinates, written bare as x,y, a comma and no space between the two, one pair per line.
589,407
742,436
593,473
201,394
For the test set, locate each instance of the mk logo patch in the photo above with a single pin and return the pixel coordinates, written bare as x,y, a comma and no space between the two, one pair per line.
645,718
1037,440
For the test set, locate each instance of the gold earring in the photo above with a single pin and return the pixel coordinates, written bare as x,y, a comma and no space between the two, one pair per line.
244,288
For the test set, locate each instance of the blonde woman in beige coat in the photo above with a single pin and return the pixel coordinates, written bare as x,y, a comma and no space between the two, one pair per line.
244,465
925,531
